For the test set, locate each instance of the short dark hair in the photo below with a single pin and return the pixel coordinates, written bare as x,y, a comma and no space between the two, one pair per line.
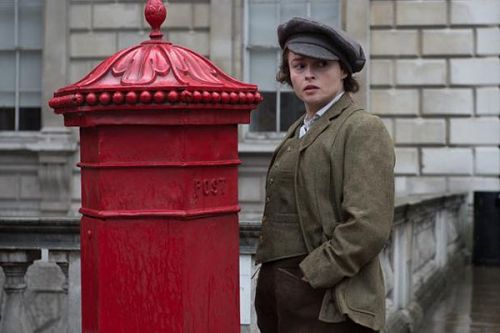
283,76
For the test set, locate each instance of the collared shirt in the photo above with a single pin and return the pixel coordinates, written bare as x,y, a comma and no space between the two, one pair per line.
309,121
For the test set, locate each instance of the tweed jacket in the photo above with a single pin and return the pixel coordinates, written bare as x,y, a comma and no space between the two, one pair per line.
344,185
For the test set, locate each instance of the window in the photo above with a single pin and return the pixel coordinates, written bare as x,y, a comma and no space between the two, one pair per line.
21,64
280,107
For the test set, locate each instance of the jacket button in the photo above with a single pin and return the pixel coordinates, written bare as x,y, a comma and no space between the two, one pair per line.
268,199
271,180
289,149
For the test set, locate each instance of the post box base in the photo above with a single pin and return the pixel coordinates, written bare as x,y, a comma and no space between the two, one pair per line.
160,275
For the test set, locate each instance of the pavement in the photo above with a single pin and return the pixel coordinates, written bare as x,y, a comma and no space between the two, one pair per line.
470,305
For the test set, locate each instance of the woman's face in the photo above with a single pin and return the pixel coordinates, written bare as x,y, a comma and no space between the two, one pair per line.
316,82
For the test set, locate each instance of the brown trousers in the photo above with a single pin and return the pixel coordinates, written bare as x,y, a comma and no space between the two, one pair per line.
286,304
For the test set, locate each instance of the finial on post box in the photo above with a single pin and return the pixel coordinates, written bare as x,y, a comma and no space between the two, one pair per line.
155,13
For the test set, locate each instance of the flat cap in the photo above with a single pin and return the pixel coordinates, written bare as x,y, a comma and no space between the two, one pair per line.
317,40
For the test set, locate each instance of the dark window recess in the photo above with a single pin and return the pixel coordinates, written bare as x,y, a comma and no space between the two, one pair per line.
486,250
263,119
29,119
7,119
291,109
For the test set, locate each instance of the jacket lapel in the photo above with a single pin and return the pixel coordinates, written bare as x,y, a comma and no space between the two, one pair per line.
324,121
291,131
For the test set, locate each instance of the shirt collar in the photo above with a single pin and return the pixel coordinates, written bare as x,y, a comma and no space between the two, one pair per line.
323,109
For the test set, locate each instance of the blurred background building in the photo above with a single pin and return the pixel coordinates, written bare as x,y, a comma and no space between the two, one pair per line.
432,75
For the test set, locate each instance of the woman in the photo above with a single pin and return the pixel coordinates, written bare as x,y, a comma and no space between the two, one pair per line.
329,196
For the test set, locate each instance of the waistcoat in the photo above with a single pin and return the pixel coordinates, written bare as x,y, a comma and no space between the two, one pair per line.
281,232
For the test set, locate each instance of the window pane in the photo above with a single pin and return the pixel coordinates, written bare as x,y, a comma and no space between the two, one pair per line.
8,68
30,99
29,119
263,64
263,68
7,24
30,24
6,119
291,9
30,71
263,23
263,119
326,11
291,109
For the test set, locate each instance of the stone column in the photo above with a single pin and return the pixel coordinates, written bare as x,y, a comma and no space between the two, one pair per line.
14,264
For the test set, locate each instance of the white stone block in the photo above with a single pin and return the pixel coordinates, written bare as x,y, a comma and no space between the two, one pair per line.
250,189
488,41
381,13
447,42
117,15
245,288
29,187
381,71
76,187
101,44
475,12
426,185
389,126
395,101
127,39
79,68
420,131
9,185
198,41
80,16
180,15
488,101
475,131
437,161
475,71
406,161
420,72
464,184
487,161
394,42
202,15
427,12
447,101
401,186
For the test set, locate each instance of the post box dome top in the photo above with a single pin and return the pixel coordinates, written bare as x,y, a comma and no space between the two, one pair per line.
158,73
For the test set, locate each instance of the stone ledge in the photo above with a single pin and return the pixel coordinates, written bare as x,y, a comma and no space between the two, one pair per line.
411,318
64,232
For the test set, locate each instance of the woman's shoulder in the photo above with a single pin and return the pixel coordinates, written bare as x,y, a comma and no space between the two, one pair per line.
359,117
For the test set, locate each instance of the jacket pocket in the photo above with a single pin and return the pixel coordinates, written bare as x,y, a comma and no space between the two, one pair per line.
296,296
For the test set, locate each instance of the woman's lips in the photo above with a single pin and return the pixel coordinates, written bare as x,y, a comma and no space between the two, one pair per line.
310,88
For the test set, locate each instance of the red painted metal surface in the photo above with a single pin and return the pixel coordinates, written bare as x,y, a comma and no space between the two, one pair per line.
159,232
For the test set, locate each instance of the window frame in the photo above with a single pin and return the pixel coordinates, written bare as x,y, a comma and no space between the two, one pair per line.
246,134
18,49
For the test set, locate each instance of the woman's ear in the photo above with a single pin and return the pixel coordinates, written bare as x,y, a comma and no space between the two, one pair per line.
343,73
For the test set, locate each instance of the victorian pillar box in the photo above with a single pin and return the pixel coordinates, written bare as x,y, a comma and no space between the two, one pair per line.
159,228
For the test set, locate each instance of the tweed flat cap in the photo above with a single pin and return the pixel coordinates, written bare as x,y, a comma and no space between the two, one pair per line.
317,40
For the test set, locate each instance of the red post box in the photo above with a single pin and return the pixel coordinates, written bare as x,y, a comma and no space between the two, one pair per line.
159,157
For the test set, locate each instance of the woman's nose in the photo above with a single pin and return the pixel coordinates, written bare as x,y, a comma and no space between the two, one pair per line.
309,74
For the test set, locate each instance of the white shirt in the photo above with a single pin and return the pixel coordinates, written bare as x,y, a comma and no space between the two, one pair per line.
309,121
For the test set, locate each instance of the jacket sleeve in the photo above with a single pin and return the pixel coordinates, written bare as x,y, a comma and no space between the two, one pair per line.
367,206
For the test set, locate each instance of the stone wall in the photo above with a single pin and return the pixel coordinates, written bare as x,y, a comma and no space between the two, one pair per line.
435,75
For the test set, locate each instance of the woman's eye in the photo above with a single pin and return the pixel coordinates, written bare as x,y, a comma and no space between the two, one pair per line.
322,63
